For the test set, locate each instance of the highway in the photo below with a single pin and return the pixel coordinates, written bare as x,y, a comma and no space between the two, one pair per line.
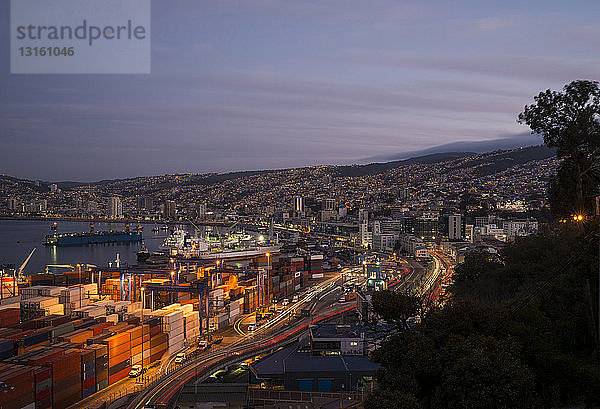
270,336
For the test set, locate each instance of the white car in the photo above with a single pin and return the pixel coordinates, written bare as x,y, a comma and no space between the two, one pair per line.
285,302
252,327
136,370
180,357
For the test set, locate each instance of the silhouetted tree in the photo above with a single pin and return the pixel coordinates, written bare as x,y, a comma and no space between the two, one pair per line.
395,307
570,122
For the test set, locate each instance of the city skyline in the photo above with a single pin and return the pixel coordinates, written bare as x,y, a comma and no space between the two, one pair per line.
276,84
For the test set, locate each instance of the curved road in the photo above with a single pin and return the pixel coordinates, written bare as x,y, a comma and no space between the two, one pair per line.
163,391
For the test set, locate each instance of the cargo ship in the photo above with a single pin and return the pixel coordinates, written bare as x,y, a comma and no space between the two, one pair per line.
84,239
230,246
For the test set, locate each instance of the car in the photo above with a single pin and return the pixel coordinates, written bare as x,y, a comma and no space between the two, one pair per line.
252,327
285,302
203,344
4,387
180,358
295,298
136,370
155,364
280,310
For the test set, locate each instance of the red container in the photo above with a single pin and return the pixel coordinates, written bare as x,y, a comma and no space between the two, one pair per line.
88,383
44,404
118,349
21,379
10,316
40,396
99,328
118,376
112,361
65,365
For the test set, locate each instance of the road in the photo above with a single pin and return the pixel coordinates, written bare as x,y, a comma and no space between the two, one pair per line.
232,338
268,337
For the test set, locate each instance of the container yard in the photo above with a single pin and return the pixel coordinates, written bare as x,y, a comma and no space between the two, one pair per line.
63,337
59,345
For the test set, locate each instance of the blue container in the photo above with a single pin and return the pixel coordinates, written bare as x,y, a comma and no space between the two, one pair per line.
36,338
89,366
7,345
89,391
89,374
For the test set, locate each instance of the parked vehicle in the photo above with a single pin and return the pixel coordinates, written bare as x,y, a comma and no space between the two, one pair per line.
136,370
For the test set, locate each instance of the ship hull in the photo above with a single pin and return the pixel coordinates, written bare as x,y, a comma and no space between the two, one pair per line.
84,239
234,254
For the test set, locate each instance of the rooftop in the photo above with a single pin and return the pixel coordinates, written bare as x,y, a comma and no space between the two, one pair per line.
336,331
289,360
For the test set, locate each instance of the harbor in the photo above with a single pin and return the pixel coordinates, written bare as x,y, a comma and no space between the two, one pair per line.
19,237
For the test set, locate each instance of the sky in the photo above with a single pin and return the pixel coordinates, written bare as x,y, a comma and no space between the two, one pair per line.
261,84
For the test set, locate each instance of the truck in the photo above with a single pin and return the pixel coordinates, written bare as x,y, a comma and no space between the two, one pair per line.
180,358
136,370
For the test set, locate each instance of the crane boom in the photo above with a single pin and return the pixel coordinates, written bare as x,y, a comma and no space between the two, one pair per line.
26,261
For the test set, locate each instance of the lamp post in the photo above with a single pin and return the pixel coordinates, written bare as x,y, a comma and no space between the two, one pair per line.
142,320
172,282
268,275
578,218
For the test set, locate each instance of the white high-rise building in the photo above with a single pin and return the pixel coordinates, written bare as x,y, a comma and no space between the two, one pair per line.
170,209
116,207
298,204
329,204
363,216
365,236
202,210
455,227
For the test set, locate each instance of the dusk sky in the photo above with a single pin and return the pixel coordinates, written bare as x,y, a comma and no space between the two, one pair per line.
262,84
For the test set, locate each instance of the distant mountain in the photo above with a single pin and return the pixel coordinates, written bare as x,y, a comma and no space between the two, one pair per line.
517,141
483,163
376,168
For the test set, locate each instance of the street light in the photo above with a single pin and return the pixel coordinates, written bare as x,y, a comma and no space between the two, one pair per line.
268,275
142,320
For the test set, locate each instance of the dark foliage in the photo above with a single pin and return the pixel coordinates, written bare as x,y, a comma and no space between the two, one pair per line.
570,122
503,342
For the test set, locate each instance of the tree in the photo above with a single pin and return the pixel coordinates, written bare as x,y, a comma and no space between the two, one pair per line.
482,372
386,399
395,307
570,122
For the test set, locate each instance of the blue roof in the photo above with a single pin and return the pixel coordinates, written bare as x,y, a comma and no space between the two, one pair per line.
274,363
304,362
336,331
